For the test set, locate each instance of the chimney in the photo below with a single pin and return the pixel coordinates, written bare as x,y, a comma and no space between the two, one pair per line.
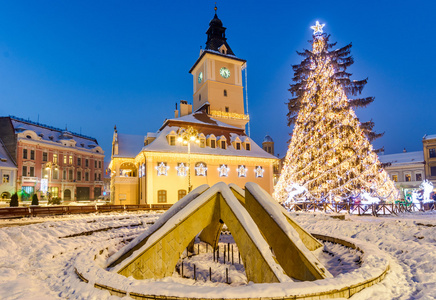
185,108
404,150
176,112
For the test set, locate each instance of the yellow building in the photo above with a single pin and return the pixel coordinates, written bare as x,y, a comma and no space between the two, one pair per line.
204,143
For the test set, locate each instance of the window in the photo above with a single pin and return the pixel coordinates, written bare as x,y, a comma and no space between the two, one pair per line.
95,164
99,164
65,159
225,95
247,147
182,169
45,172
55,158
395,178
238,146
64,175
55,174
223,144
162,169
79,161
227,109
86,176
99,177
86,163
44,156
258,171
32,171
242,171
200,169
70,159
418,177
202,143
432,152
212,144
6,179
199,97
223,170
407,177
181,194
432,171
24,171
95,176
32,154
172,140
25,153
70,174
162,196
79,176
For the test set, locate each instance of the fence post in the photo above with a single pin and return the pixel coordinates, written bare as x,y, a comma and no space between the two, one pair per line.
195,273
210,274
182,268
227,275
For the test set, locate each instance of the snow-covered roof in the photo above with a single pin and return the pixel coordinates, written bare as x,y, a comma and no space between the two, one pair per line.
52,134
416,157
429,137
129,145
200,118
5,159
160,144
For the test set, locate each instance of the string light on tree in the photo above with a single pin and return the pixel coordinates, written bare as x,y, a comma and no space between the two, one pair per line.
330,154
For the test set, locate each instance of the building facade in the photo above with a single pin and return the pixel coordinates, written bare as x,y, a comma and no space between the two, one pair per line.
53,162
8,173
204,143
429,149
406,170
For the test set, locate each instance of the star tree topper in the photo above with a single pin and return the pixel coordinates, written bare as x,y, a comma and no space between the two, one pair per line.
317,28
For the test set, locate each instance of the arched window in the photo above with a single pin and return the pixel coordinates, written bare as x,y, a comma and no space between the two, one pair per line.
162,196
181,194
225,93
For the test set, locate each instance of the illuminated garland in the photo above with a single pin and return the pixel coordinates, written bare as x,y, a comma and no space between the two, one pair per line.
329,156
229,115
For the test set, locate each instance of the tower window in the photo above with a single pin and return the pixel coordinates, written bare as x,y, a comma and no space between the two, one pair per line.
199,97
225,93
227,109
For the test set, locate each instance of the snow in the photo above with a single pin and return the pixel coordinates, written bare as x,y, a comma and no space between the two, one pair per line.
5,159
160,144
35,263
396,159
129,145
174,217
429,137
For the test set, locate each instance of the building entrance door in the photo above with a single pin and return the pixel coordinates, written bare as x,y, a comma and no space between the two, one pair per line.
83,193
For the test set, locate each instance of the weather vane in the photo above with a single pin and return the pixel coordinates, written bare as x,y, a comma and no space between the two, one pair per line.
317,28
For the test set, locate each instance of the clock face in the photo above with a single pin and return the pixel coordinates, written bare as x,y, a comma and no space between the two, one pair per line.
224,72
200,77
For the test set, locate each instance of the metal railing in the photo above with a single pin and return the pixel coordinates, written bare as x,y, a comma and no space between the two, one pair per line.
33,211
360,209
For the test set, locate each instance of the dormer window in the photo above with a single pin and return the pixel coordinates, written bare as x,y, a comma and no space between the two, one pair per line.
247,146
202,140
171,138
223,49
211,141
238,146
222,143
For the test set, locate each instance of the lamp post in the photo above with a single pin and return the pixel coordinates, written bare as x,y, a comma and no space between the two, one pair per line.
187,137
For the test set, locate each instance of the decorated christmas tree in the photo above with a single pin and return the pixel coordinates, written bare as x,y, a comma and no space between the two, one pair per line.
330,155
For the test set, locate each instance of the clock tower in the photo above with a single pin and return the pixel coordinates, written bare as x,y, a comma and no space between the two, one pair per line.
217,76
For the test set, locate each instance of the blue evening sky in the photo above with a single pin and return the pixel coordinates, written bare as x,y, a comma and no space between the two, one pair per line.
93,64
